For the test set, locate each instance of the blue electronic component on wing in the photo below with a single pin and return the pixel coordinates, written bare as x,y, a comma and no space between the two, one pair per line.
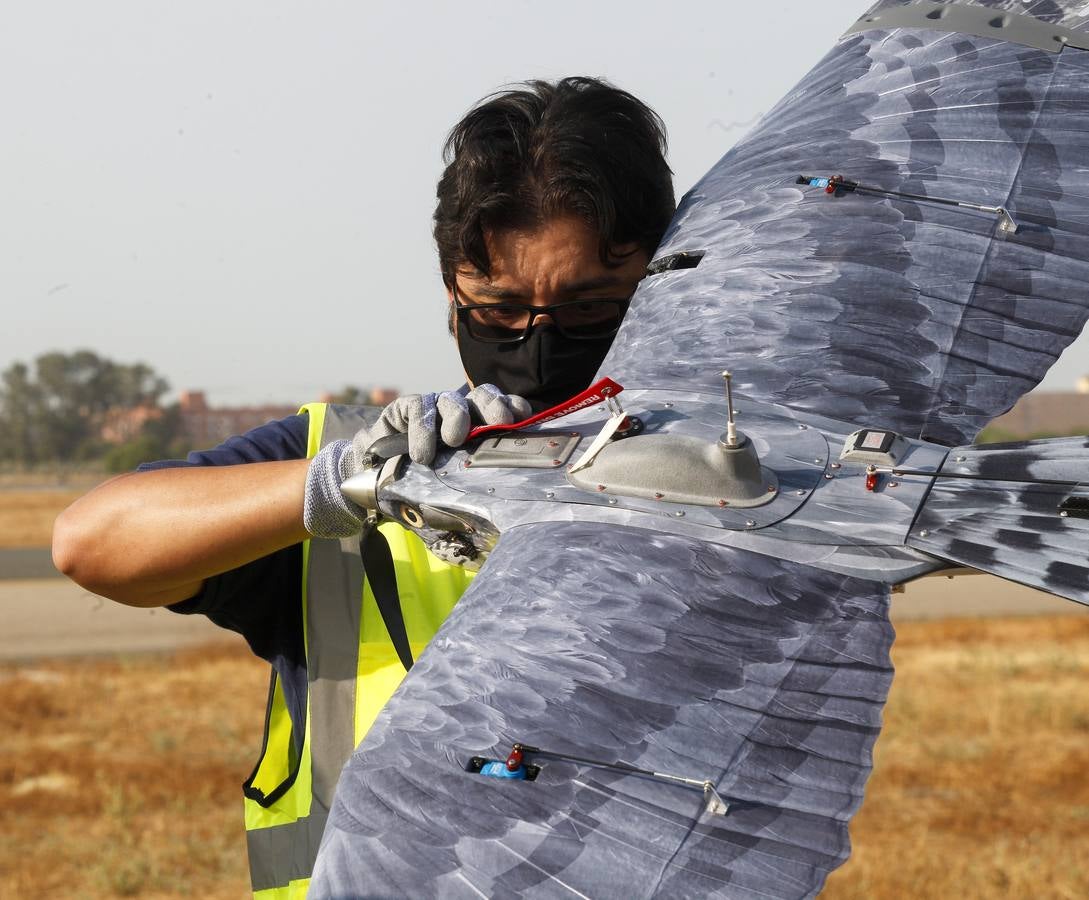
496,769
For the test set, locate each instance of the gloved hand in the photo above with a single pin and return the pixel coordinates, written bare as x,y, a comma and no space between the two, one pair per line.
449,415
328,513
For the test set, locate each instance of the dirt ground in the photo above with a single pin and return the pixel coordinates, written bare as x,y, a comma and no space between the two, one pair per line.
120,777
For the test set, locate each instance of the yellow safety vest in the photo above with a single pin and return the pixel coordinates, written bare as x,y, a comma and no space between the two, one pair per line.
352,669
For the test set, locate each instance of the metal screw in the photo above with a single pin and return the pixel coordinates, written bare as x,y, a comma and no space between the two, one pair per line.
553,443
802,427
468,463
550,494
837,465
800,493
658,495
1064,514
601,487
442,474
723,502
491,490
818,461
829,475
894,484
679,513
923,533
960,458
557,462
750,523
668,405
612,501
771,489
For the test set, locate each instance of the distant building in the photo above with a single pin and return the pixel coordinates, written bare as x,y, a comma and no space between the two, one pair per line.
383,396
204,426
1046,413
122,425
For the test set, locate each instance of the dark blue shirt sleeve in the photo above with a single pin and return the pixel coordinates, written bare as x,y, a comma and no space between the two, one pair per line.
279,439
260,600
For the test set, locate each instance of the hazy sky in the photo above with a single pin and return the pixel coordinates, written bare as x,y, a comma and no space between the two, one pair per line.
240,193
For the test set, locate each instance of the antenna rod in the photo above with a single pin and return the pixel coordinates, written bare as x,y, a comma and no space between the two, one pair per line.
731,429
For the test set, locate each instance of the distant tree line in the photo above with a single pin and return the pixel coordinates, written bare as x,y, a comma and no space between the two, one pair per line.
78,408
60,410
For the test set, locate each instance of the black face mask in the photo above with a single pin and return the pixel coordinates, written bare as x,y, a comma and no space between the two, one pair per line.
546,368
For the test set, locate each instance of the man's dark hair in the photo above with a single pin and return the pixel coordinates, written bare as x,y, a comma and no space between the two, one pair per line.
579,146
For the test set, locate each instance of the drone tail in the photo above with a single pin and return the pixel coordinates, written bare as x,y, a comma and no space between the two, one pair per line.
1019,511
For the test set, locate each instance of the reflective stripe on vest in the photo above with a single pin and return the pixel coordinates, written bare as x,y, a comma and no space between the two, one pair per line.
352,669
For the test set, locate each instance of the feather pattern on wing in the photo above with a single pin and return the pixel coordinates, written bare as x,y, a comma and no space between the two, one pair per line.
1007,516
1071,14
766,677
901,314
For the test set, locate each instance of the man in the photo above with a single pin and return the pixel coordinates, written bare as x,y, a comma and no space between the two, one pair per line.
552,202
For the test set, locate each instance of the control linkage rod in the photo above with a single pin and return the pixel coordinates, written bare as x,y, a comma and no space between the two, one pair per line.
715,804
837,184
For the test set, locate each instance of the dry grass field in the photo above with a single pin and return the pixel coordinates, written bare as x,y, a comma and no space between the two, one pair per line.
121,777
27,510
981,785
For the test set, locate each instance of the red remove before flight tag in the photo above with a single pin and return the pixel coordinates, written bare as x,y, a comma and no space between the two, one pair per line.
595,393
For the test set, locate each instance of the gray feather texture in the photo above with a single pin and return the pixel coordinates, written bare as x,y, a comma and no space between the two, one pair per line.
1007,522
1069,14
766,677
900,314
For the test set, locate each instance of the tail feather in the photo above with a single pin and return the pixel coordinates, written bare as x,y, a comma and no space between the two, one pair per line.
1018,511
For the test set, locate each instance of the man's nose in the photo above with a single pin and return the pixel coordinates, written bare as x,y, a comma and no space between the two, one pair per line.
540,318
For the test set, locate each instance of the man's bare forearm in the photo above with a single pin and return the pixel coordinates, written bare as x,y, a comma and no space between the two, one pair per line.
152,538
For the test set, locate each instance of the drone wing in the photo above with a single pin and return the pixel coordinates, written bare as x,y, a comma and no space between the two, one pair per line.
908,314
764,677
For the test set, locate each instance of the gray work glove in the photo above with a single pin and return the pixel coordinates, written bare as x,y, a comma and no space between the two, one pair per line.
425,417
449,415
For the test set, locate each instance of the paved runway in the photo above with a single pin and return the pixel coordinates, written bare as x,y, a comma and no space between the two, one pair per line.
54,617
27,562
